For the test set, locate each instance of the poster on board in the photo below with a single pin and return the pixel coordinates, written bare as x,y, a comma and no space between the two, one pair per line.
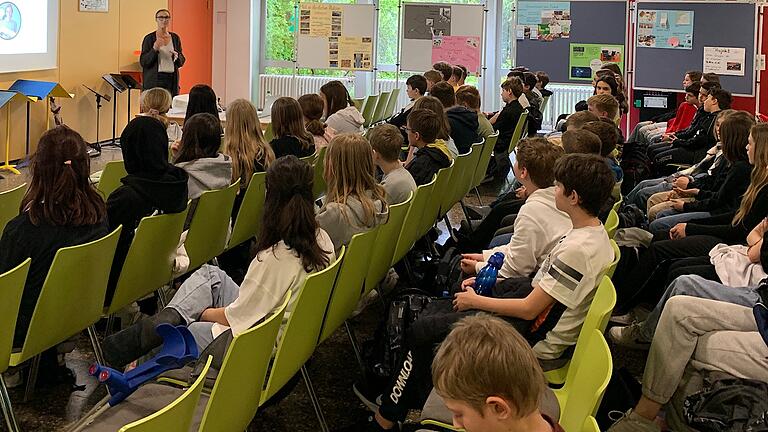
426,21
457,50
586,59
725,60
544,21
671,29
320,20
352,53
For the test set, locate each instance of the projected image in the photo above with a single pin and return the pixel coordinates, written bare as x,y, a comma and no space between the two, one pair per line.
10,20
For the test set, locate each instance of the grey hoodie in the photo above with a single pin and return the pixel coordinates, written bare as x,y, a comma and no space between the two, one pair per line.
207,174
341,222
347,120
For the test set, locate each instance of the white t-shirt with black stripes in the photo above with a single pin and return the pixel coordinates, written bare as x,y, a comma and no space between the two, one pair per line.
570,275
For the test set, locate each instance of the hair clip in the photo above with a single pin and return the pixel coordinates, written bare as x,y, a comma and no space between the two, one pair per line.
153,111
67,162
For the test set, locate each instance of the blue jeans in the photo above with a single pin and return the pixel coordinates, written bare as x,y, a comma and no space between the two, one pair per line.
697,286
640,194
500,240
667,219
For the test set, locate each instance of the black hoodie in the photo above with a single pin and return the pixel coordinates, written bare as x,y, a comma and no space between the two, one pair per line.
152,185
464,126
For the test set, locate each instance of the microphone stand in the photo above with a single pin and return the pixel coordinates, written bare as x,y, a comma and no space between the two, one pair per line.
97,145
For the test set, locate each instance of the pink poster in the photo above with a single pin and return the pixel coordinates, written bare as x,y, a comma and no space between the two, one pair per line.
457,50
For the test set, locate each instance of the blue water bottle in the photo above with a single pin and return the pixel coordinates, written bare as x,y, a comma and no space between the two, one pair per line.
486,279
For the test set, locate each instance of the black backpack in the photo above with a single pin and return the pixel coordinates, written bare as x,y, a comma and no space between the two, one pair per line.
731,404
635,164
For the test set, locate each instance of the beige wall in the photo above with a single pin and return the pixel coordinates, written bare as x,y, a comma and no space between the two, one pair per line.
90,45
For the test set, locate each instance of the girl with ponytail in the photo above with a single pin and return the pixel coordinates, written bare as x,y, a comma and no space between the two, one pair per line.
312,107
61,208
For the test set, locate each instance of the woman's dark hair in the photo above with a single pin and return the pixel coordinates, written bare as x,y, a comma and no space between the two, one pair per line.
60,192
336,97
312,107
616,91
734,135
289,212
202,99
201,138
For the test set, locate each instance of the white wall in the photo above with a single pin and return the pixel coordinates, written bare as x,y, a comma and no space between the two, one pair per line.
232,62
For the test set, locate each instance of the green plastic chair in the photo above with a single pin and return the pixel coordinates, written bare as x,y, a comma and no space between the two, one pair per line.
544,102
612,223
248,221
358,103
518,132
485,159
177,416
389,111
149,263
349,284
318,185
409,232
114,171
469,171
309,159
369,108
11,287
381,260
617,205
590,424
616,257
269,133
300,335
597,319
207,236
10,202
586,381
381,106
457,187
70,301
432,210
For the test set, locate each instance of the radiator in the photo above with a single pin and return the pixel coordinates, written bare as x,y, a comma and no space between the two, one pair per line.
562,101
288,85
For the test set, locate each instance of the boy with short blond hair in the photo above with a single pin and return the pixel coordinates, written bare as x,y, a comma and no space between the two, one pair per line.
604,106
387,141
489,378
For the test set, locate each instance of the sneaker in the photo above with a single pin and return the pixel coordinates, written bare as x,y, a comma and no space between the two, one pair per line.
13,378
628,337
623,320
633,422
370,398
477,212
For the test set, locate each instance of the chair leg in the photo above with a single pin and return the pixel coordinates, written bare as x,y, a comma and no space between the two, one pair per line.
466,215
479,200
96,345
161,298
32,378
314,400
355,347
5,401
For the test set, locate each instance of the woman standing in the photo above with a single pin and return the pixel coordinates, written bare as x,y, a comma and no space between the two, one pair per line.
161,56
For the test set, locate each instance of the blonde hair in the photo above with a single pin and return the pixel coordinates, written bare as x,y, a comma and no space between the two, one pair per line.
244,142
485,356
759,171
349,171
605,103
155,103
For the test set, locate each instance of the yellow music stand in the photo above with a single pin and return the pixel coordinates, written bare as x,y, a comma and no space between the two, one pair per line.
6,97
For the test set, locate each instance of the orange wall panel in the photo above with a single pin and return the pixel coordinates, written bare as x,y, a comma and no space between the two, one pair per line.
192,20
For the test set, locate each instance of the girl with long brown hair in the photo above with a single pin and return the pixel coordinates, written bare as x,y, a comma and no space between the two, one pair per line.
340,111
354,201
291,137
312,107
61,208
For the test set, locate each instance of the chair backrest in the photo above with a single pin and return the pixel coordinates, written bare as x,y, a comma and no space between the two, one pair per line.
431,211
208,231
114,171
485,159
616,257
248,221
318,185
358,103
10,201
448,198
544,102
71,299
587,378
368,108
381,260
392,104
381,106
236,395
300,334
411,225
11,287
349,284
469,171
269,133
177,416
309,159
590,424
518,132
149,262
600,310
612,223
617,205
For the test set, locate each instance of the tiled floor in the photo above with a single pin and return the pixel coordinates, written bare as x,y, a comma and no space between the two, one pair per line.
333,367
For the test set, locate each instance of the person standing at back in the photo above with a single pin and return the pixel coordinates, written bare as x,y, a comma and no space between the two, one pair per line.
161,56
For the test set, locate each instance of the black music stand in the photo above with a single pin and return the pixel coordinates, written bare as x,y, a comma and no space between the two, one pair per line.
118,86
97,145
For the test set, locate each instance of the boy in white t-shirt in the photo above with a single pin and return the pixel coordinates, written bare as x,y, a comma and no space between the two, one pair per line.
387,142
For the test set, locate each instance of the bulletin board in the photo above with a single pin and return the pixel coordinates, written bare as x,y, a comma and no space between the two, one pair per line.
729,24
593,26
336,36
433,32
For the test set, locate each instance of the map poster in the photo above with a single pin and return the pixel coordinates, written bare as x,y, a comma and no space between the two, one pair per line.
320,19
544,21
351,53
671,29
725,61
426,21
586,59
457,50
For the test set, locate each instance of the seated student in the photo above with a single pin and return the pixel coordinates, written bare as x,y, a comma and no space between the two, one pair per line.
523,98
155,103
542,79
469,97
547,310
289,246
341,114
202,99
152,185
445,69
683,117
433,77
464,75
433,104
423,127
457,76
606,131
386,142
199,155
291,137
646,129
415,88
489,378
463,121
696,335
354,202
582,142
539,224
574,121
710,77
604,106
504,122
530,91
59,209
609,85
312,108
